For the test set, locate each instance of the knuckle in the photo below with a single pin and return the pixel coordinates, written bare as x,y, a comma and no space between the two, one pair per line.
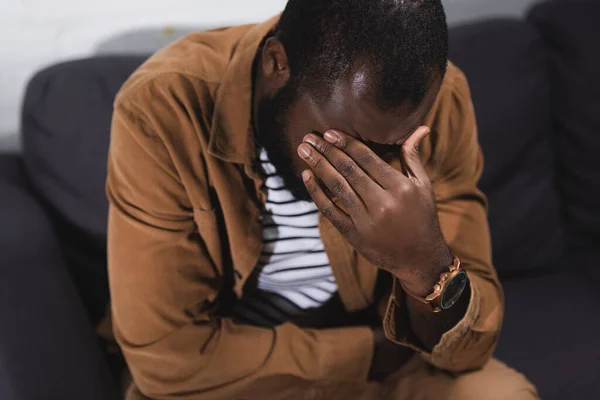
327,210
383,211
385,171
405,186
361,181
366,158
324,147
336,186
312,189
316,162
385,208
341,227
347,168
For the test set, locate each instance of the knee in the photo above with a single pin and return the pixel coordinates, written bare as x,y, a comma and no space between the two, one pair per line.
495,381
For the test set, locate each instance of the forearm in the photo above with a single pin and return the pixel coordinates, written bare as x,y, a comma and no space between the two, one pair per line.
199,361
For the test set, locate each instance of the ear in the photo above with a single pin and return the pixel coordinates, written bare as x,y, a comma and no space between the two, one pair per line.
275,65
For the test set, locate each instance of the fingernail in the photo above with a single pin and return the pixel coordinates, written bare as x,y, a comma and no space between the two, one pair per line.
310,139
331,136
304,151
426,131
305,176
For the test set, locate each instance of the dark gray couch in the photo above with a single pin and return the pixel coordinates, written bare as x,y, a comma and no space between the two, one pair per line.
536,89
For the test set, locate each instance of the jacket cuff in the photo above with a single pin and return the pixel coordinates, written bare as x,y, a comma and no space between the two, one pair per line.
396,325
347,358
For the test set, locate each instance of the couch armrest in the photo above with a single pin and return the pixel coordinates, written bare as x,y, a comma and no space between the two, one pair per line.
47,347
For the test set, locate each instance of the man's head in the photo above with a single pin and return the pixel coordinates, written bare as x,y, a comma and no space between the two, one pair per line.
370,68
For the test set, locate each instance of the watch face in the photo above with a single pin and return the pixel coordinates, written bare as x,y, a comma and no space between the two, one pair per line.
453,291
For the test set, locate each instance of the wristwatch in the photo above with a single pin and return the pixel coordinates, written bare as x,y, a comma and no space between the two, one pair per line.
447,290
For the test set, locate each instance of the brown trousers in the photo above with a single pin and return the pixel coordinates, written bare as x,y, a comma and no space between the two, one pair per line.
420,381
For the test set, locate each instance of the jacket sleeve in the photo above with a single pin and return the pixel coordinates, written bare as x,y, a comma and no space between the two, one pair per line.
455,165
163,282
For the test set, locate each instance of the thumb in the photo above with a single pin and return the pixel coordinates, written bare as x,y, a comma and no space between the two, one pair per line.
411,153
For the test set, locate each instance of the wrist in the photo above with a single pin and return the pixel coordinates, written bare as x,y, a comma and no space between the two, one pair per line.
422,281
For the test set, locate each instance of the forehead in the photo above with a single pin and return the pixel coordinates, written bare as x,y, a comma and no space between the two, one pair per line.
351,108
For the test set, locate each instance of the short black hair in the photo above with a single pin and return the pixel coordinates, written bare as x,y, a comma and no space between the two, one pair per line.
403,42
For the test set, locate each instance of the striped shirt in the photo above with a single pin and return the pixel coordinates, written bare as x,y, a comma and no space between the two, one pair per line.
293,273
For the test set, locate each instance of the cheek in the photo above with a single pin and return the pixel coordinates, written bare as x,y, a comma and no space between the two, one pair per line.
294,135
298,164
302,120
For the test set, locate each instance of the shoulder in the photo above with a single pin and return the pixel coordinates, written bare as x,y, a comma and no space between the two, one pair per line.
453,137
453,106
190,69
455,77
455,88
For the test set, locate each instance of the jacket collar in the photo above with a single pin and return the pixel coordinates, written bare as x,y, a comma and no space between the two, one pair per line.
231,136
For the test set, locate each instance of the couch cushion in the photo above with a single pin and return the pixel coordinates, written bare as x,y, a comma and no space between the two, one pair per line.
11,169
550,333
66,129
25,228
572,29
505,62
587,262
47,346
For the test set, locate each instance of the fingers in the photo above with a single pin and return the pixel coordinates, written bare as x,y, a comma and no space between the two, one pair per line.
335,182
364,186
339,219
412,156
368,161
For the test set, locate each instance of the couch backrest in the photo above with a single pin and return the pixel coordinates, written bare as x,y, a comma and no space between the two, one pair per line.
572,30
66,125
506,63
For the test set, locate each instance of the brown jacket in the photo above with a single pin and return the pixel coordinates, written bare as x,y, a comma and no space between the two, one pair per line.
185,232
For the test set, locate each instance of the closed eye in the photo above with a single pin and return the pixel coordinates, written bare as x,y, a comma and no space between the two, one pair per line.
382,149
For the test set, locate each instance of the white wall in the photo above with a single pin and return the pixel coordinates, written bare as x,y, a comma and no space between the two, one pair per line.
36,33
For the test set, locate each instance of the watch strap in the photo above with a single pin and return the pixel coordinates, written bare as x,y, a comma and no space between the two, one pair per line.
432,301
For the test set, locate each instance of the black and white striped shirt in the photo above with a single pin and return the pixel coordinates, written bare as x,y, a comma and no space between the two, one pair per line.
293,273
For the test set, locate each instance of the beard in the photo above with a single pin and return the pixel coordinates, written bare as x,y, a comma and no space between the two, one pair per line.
271,135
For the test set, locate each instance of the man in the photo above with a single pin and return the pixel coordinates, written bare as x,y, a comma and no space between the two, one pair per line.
294,214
